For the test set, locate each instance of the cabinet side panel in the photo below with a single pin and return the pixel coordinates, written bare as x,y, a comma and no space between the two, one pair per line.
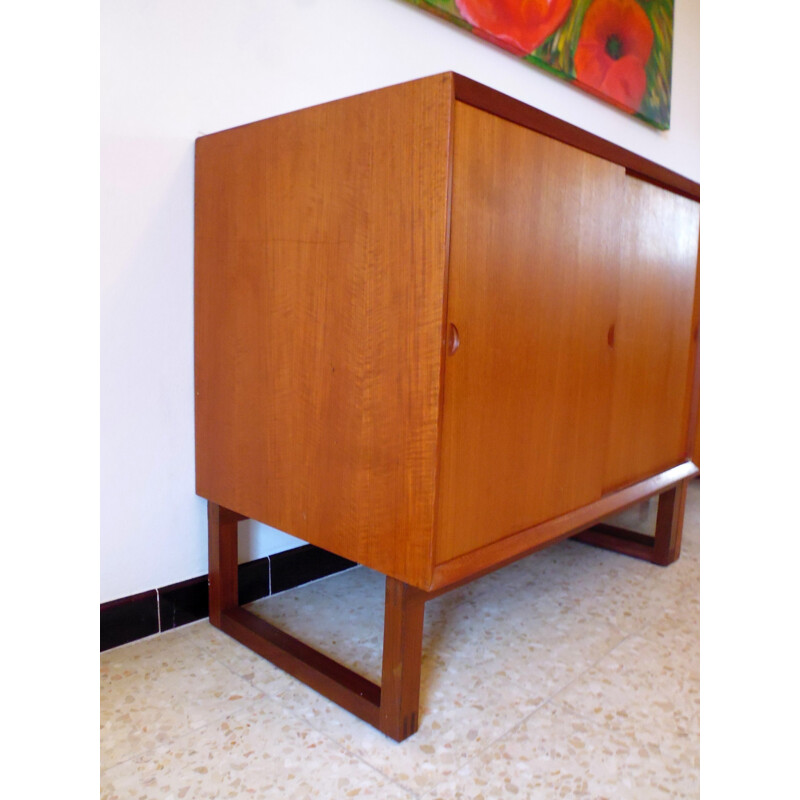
654,364
320,269
532,292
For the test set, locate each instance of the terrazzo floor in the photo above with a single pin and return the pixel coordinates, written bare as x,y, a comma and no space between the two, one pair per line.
573,673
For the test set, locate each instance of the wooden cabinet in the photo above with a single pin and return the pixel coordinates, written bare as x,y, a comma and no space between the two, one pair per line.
437,329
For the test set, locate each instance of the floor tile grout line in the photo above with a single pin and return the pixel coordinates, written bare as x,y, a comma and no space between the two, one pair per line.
206,722
559,704
562,709
591,665
342,747
345,749
171,742
157,672
494,742
549,701
351,752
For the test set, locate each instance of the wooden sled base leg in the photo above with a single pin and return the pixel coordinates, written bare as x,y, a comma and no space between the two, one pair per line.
402,659
392,708
661,549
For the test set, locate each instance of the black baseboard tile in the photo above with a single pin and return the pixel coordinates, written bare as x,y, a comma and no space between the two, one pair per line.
158,610
254,580
303,564
182,603
128,618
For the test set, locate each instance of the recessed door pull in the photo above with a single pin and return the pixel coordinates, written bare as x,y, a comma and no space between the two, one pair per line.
453,339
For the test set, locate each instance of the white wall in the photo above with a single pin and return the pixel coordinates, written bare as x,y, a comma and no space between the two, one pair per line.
175,69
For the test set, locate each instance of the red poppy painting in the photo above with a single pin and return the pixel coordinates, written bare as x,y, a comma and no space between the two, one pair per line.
619,50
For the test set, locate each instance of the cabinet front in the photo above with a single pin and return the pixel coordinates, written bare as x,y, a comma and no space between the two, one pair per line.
532,298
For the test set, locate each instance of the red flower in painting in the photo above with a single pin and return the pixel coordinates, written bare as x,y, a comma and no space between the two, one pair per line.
517,25
614,45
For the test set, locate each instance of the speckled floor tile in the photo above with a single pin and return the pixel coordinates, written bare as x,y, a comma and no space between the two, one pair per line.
261,752
546,657
469,698
464,706
165,652
463,709
535,595
646,681
630,594
676,601
236,657
155,690
349,603
554,755
485,666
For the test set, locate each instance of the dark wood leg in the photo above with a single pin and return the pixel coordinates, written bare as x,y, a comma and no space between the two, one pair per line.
669,525
393,707
402,659
223,562
663,548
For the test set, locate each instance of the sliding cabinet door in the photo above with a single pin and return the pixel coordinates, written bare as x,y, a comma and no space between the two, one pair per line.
656,322
531,305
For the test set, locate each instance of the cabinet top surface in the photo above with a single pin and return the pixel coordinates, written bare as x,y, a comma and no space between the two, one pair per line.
481,96
495,102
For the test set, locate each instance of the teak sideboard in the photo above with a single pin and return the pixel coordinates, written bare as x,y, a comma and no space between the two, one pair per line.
435,330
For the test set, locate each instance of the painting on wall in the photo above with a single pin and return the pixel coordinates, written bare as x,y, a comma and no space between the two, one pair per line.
619,50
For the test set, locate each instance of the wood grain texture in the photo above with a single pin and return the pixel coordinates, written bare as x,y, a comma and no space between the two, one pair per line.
662,548
321,244
626,543
402,659
532,291
653,371
223,562
324,675
669,525
484,97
